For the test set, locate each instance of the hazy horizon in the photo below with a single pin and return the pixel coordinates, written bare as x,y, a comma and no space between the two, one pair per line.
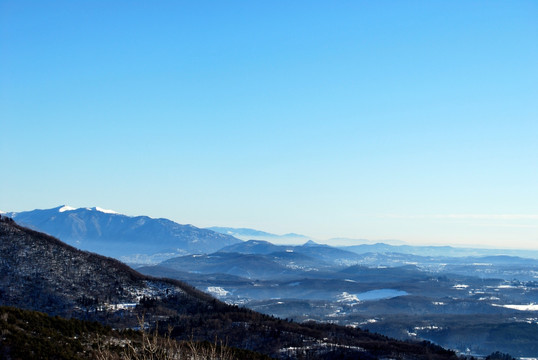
294,238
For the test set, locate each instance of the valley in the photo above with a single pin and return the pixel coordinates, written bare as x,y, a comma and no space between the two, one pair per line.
254,180
437,298
442,295
41,273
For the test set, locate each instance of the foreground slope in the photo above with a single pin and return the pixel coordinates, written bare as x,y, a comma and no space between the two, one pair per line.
35,335
42,273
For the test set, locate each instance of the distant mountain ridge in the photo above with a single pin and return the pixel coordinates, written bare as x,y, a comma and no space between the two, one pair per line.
438,251
126,237
252,234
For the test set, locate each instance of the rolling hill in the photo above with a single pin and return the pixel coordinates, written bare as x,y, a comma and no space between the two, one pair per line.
320,252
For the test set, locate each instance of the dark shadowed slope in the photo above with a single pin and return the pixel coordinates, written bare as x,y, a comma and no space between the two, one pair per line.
42,273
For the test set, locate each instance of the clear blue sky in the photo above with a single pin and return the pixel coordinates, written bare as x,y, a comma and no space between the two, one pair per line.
411,120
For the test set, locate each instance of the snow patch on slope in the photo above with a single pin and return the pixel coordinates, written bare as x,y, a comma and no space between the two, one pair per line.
348,298
106,211
217,291
66,208
529,307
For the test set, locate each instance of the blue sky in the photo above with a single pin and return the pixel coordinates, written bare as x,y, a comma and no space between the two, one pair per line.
410,120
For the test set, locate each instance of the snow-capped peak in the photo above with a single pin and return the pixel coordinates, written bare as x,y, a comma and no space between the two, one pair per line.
106,211
96,208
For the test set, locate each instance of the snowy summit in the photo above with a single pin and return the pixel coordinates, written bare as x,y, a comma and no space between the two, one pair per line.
106,211
96,208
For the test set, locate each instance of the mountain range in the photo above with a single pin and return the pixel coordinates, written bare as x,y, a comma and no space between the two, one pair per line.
42,273
133,239
142,240
312,281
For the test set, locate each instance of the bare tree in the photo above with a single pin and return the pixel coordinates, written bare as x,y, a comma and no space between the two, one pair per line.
155,347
